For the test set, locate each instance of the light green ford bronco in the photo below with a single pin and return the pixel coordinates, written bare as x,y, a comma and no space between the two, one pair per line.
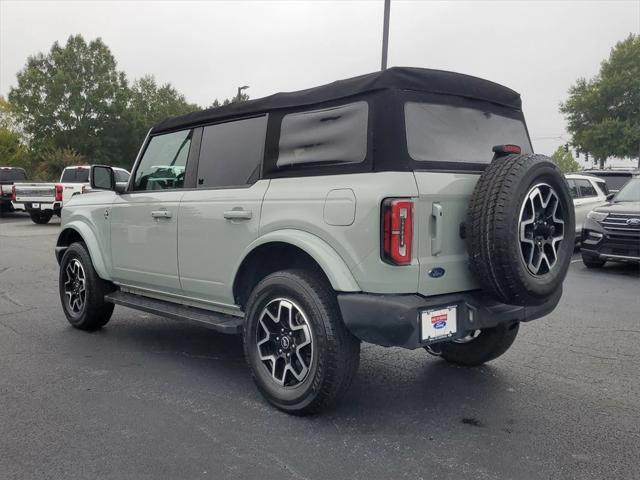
401,208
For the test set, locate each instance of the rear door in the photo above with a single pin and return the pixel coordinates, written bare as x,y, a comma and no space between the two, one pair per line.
221,216
144,220
458,140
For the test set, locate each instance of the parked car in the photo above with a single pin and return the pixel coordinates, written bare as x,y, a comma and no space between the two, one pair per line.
8,176
43,200
615,177
612,231
587,192
363,210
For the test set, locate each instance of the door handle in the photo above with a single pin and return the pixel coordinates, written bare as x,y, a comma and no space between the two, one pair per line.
161,214
436,237
238,214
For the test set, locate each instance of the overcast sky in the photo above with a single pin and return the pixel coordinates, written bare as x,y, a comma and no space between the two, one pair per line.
207,49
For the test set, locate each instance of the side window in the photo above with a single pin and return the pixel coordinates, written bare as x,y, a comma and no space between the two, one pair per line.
603,187
231,153
586,189
164,161
331,135
573,190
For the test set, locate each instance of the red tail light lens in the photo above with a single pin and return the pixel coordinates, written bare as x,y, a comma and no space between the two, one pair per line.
397,231
59,189
13,193
506,149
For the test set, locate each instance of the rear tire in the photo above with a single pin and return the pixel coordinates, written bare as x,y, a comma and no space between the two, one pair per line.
82,291
286,310
592,262
41,217
487,346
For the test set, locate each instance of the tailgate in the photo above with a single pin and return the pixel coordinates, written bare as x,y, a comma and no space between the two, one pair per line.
440,210
35,192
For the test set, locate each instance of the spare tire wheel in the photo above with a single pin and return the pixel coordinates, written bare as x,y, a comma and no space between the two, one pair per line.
520,229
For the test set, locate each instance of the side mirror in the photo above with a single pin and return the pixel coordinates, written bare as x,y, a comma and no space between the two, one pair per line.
610,196
102,177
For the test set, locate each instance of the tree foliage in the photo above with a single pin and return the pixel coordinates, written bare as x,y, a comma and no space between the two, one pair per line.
73,102
12,151
603,113
564,160
243,97
52,161
70,97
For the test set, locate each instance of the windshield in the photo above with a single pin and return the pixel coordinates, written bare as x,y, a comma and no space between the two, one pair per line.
12,175
445,133
75,175
630,192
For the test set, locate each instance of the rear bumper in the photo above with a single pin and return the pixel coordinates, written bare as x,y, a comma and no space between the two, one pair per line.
30,206
394,320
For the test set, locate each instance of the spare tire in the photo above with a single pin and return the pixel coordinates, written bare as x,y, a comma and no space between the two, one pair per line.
520,229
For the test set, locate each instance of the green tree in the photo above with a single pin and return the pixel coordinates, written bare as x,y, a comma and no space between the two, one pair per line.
69,97
603,113
564,160
12,151
51,162
147,104
242,98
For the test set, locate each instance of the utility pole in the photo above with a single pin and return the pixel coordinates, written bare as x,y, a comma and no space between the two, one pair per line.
385,34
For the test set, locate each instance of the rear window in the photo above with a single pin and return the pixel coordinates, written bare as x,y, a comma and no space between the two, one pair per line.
12,175
445,133
333,135
75,175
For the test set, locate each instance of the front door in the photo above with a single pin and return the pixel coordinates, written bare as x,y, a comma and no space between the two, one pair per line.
144,220
221,217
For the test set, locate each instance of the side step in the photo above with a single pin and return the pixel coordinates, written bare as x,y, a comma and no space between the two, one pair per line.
216,321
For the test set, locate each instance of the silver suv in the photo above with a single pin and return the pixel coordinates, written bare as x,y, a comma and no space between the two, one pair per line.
402,208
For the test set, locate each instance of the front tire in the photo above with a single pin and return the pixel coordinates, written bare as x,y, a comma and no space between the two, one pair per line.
41,217
301,355
479,347
82,291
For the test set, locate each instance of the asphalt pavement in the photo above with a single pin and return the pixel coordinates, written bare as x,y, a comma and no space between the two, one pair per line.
152,398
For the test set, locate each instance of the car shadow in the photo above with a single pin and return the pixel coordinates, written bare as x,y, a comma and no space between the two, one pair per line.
615,268
391,388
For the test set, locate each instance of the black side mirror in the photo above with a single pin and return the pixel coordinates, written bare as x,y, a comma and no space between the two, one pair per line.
102,177
610,196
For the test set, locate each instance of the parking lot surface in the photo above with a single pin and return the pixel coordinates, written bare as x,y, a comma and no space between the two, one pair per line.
148,397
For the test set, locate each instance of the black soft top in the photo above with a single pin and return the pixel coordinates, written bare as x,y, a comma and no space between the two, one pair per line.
396,78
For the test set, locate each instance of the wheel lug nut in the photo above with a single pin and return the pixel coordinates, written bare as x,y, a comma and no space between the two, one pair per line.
279,350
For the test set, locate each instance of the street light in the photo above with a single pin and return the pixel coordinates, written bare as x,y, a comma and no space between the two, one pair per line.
240,89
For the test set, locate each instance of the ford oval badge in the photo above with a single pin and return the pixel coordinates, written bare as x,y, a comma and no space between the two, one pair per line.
436,272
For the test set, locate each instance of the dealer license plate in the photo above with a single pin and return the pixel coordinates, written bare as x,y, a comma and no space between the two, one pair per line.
439,323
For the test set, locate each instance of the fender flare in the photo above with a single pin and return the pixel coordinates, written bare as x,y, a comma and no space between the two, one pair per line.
329,260
91,241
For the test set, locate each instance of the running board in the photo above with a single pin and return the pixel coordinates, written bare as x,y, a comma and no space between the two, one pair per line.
217,321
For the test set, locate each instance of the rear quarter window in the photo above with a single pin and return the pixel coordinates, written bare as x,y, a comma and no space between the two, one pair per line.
334,135
446,133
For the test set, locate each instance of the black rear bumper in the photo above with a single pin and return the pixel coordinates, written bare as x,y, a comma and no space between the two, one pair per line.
394,320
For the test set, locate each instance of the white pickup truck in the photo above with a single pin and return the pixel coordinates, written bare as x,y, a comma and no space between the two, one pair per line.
43,200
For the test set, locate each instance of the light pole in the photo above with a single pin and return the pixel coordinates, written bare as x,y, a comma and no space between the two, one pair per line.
240,89
385,34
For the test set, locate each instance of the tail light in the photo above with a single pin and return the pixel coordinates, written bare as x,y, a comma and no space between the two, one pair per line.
397,230
13,193
59,189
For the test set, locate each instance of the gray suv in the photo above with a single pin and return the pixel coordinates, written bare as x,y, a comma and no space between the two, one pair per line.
401,208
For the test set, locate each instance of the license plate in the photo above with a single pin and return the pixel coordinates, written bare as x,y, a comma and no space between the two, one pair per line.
35,205
439,323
